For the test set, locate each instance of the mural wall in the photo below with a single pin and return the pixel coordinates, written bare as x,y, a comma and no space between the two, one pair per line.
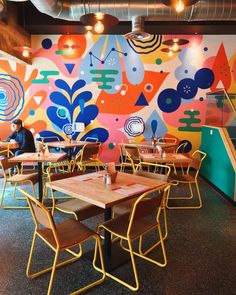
119,89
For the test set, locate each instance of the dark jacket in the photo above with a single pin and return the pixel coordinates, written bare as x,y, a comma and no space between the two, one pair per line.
25,139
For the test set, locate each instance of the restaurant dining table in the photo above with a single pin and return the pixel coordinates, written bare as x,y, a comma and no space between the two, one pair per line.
70,145
91,188
39,158
9,145
149,145
168,158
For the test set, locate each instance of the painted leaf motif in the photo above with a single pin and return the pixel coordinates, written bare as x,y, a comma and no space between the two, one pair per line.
52,115
90,113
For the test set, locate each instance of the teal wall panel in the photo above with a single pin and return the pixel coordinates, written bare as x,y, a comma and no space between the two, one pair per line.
217,167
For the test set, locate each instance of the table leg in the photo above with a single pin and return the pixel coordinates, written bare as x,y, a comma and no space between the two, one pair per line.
40,181
107,237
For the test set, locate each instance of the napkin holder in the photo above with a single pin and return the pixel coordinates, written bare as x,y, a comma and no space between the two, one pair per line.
113,176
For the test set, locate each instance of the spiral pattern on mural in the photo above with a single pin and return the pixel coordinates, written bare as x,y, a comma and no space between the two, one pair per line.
12,97
146,46
134,126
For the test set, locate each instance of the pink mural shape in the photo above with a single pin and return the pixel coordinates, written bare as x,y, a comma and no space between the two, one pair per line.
110,149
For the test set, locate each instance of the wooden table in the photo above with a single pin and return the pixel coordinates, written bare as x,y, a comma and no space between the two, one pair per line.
148,145
33,157
90,188
9,145
70,145
169,158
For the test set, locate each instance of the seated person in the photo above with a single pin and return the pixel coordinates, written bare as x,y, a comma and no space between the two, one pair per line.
22,136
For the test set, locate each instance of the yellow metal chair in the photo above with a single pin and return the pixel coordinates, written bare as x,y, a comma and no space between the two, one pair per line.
125,207
125,162
88,156
143,218
133,157
91,139
17,179
180,149
60,237
80,209
190,179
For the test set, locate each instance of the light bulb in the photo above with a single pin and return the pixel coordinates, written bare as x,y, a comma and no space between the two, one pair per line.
89,35
170,53
179,6
175,40
175,47
99,15
25,52
99,27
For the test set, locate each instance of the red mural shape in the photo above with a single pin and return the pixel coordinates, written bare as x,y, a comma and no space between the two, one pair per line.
123,102
221,70
75,45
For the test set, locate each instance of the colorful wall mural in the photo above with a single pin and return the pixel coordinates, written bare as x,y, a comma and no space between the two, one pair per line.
113,85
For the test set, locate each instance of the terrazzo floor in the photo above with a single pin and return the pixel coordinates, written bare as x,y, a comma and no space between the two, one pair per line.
201,253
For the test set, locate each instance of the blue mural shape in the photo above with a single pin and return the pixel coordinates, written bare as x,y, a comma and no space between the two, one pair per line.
204,78
169,100
47,43
112,53
64,111
154,121
12,97
141,101
187,88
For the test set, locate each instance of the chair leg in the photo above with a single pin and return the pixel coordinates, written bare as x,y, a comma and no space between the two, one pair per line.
53,272
3,193
102,270
186,198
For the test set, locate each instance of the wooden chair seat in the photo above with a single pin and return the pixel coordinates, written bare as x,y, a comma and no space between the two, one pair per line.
24,177
120,225
181,178
69,233
81,209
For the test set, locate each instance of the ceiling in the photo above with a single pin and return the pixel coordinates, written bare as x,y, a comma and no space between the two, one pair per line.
165,21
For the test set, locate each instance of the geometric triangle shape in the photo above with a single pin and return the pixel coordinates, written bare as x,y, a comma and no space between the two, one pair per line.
141,100
38,99
220,85
69,67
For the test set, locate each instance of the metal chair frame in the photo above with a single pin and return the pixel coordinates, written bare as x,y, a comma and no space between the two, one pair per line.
131,226
189,179
56,237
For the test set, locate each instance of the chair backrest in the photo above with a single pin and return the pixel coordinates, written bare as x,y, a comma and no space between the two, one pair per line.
90,151
45,139
57,176
41,215
181,147
132,152
148,205
153,175
167,140
91,139
196,161
5,165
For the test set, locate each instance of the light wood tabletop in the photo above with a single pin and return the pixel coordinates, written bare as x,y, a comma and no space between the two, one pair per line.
148,145
168,158
9,145
90,188
67,144
33,157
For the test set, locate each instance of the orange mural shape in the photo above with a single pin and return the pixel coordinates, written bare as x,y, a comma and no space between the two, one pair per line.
221,69
73,45
123,102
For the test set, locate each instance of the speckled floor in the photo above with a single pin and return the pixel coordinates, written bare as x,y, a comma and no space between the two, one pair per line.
201,252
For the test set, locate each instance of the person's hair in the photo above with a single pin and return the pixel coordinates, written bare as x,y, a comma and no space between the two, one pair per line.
17,122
